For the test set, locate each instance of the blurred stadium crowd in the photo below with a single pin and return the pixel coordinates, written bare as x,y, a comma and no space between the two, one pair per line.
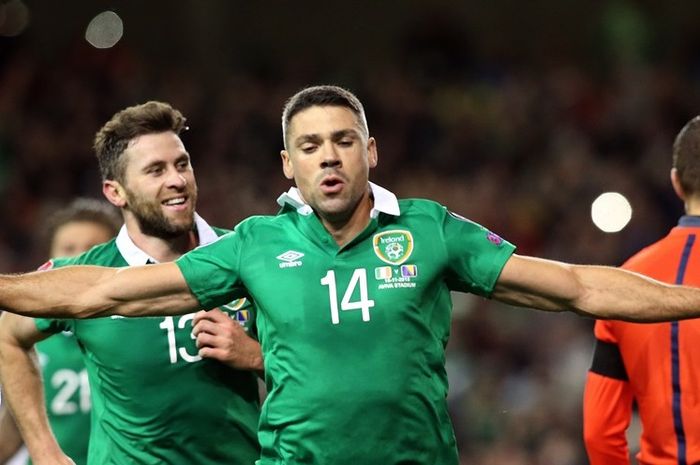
523,150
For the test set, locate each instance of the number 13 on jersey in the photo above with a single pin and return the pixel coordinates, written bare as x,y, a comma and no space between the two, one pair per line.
358,279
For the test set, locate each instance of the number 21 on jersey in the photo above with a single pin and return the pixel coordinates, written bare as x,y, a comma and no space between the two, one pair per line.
358,280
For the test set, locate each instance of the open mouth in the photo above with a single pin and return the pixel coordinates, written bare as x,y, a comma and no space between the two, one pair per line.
332,184
175,202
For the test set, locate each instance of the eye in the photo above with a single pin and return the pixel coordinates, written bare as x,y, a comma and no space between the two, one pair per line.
155,170
183,165
308,148
345,142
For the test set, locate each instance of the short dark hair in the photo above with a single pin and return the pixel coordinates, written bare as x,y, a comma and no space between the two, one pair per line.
325,95
113,138
82,209
686,156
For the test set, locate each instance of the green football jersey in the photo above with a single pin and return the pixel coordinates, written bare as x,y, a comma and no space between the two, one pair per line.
67,394
154,400
353,337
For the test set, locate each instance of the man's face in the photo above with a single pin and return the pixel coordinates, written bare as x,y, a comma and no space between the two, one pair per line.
329,157
76,237
159,184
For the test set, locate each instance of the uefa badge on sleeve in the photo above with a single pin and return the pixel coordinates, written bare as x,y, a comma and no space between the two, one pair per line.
46,266
494,238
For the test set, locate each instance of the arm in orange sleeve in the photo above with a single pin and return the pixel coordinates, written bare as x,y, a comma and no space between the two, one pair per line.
607,408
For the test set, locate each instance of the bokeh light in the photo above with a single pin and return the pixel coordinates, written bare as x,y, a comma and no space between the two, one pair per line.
14,18
105,30
611,212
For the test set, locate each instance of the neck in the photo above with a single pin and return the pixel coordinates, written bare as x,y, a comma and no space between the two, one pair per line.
162,250
692,206
344,229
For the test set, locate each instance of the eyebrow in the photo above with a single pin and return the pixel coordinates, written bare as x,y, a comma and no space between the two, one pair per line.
335,136
184,156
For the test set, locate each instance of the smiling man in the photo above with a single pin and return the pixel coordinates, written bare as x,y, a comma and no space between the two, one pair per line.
155,400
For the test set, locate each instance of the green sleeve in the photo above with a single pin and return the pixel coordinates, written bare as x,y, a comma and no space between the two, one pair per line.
475,255
53,326
212,271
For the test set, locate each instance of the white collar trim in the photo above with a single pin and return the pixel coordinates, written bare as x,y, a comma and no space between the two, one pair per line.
134,256
384,201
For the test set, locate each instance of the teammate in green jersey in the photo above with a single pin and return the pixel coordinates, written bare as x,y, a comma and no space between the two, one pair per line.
154,400
352,291
71,230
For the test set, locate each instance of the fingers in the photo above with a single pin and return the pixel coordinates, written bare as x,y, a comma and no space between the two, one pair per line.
213,353
211,315
223,339
217,315
214,347
205,326
209,340
214,321
202,314
213,334
244,355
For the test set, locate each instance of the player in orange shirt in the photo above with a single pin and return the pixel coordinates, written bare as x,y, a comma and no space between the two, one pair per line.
656,366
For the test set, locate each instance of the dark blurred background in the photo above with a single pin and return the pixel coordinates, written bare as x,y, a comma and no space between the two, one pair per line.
514,114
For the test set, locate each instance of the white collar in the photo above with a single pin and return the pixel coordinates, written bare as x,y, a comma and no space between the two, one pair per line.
384,201
135,256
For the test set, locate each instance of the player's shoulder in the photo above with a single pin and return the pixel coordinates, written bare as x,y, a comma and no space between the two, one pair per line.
652,255
422,210
220,231
413,206
105,254
260,222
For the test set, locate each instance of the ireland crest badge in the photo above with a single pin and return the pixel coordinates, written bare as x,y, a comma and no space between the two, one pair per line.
393,247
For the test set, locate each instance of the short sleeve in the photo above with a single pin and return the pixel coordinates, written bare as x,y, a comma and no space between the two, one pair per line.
212,271
604,330
475,255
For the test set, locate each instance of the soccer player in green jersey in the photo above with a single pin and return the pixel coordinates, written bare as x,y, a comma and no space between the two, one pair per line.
70,231
352,291
154,399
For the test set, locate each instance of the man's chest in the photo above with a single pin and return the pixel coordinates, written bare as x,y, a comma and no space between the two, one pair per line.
374,281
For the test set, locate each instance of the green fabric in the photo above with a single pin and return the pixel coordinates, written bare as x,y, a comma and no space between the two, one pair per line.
67,394
364,385
153,400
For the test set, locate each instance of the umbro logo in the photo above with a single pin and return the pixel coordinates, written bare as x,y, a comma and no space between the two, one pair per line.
290,259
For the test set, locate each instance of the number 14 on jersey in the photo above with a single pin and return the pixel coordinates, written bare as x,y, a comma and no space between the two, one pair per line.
358,280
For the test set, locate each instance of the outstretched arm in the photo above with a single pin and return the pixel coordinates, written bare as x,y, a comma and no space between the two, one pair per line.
91,291
598,291
23,390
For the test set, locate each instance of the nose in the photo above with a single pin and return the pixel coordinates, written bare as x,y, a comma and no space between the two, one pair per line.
330,159
176,179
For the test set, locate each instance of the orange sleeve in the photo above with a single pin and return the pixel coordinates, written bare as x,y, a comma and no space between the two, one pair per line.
607,409
604,331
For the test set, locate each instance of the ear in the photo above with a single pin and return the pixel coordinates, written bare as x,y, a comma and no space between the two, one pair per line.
372,155
287,166
114,192
676,183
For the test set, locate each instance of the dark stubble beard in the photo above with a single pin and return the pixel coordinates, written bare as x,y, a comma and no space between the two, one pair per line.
153,222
